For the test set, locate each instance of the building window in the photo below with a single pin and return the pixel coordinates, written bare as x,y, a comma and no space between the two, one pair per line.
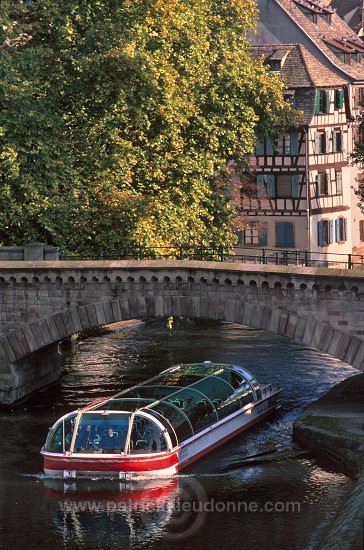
341,229
337,141
347,58
321,184
284,234
339,182
284,185
310,14
286,145
251,233
287,186
339,99
361,230
291,100
274,65
254,233
322,142
266,185
325,232
322,102
358,97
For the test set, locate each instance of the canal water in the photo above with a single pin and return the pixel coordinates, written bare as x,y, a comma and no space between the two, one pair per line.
223,501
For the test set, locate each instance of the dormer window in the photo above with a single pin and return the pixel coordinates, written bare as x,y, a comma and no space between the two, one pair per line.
311,15
291,100
274,65
314,8
326,17
346,49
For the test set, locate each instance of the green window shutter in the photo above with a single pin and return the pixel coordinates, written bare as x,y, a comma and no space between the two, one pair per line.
259,146
263,234
334,141
294,143
331,231
269,146
289,234
280,234
271,185
337,230
271,182
295,185
260,185
317,109
341,99
327,101
345,229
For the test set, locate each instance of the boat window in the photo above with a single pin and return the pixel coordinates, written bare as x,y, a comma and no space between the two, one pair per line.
146,437
60,435
222,395
186,375
155,392
196,406
124,404
178,418
232,377
102,433
245,393
166,424
247,376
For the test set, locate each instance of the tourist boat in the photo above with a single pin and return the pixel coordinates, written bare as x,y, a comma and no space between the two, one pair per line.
160,426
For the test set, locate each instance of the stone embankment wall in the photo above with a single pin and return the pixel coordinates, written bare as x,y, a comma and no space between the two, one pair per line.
334,425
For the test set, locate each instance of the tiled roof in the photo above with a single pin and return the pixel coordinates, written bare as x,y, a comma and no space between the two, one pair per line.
321,30
302,73
300,69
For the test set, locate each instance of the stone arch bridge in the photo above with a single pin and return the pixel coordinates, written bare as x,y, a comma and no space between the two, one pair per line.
45,302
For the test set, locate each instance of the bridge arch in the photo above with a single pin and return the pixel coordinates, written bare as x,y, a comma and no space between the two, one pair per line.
315,309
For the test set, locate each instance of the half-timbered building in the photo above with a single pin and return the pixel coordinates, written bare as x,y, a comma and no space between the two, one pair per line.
301,191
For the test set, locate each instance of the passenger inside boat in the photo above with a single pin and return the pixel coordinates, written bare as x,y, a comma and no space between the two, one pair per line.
146,437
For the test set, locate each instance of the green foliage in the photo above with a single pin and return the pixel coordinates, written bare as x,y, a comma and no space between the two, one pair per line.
118,120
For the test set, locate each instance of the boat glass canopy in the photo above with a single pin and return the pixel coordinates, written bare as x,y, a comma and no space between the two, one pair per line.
158,414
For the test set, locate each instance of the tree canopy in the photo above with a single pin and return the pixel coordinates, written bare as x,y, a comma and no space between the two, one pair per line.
118,119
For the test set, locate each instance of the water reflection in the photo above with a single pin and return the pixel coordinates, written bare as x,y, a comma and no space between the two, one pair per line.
86,510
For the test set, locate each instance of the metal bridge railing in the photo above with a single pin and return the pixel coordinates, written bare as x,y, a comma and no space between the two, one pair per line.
264,256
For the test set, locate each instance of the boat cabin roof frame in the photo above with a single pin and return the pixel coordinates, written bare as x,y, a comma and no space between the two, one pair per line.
226,394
